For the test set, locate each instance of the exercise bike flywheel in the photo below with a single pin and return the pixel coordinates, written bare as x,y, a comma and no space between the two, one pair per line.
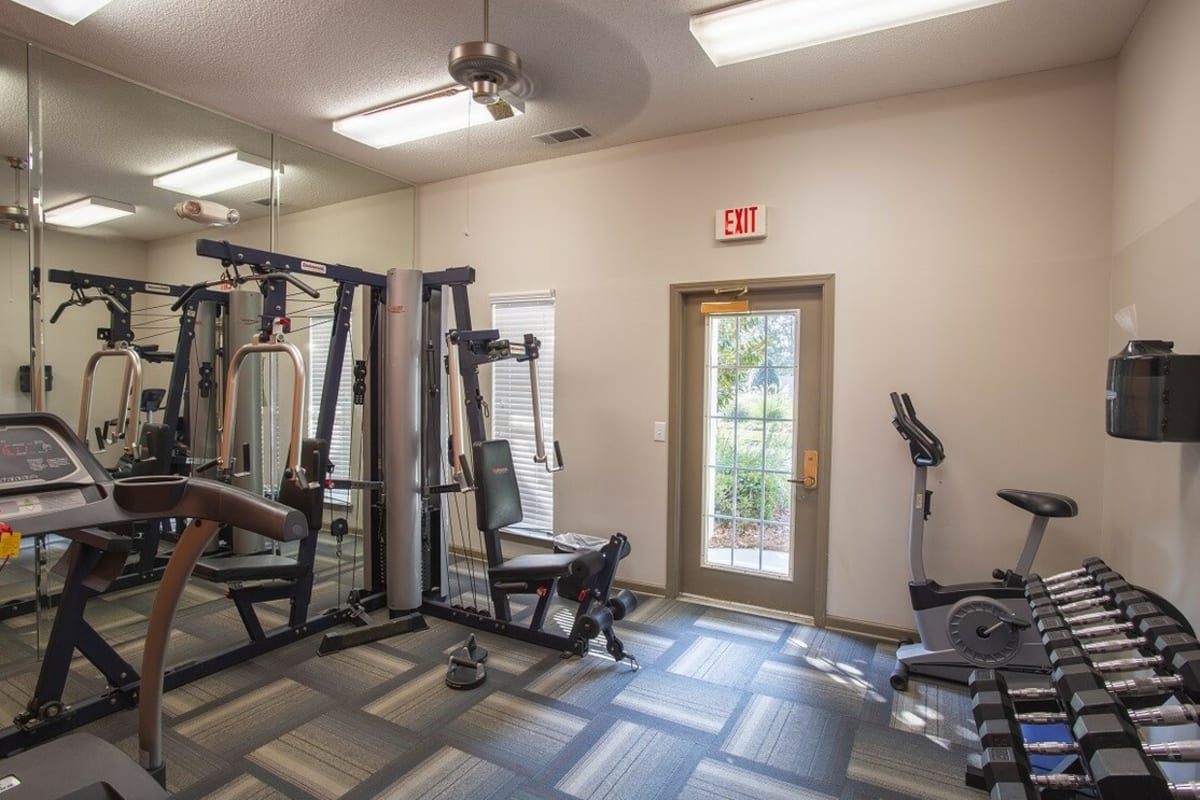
980,633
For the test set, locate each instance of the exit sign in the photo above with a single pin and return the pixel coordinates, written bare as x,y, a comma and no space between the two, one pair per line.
742,222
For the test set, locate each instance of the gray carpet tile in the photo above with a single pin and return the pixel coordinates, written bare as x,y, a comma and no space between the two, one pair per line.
851,652
900,762
583,682
247,787
349,674
516,732
737,623
424,702
648,646
662,613
248,720
215,689
727,706
825,689
451,774
680,700
328,756
719,661
939,712
800,740
715,780
632,762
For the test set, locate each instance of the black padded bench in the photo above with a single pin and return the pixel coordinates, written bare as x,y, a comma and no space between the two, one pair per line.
263,567
586,575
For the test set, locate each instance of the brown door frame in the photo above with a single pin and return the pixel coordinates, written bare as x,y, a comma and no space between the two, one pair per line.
679,293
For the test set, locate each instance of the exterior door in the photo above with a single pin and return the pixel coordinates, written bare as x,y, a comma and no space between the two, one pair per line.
751,415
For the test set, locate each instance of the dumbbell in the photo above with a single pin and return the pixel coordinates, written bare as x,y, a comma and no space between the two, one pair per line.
1114,773
1088,565
1188,751
1115,730
1113,591
1111,582
1074,783
1154,684
1182,714
1144,619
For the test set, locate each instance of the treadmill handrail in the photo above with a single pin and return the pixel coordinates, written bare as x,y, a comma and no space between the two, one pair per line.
211,504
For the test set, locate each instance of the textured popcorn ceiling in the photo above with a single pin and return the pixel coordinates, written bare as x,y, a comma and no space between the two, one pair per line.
627,69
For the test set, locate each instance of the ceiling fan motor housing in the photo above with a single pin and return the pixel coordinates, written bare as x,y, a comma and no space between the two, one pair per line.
486,68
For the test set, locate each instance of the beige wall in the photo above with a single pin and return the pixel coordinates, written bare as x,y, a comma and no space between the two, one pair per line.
969,231
1152,491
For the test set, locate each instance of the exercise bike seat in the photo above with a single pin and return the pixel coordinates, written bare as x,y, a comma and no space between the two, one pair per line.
1043,504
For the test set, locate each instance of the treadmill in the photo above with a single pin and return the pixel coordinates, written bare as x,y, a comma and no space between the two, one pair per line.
51,483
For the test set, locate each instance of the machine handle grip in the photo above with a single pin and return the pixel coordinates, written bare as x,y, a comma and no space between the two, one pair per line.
58,312
187,295
299,284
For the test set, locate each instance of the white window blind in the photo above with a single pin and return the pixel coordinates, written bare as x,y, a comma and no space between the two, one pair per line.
512,408
319,335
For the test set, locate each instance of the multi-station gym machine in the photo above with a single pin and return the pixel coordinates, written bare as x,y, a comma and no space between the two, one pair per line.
433,375
408,356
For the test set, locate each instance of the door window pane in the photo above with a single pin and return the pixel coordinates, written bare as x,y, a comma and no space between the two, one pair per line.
749,417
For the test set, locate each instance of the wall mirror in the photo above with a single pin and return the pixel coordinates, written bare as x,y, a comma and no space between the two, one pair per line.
14,241
117,159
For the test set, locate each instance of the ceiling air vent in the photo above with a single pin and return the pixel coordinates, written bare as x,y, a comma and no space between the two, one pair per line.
565,135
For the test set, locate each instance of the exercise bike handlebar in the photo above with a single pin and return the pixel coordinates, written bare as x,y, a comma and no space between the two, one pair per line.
925,447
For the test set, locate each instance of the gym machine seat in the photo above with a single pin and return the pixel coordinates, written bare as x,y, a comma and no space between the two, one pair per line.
1042,504
262,567
498,505
583,577
553,565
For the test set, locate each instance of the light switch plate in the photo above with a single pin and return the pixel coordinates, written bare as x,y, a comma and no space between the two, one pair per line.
660,431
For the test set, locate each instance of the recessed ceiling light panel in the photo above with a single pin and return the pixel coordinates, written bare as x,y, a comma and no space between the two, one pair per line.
216,174
762,28
88,211
69,11
420,117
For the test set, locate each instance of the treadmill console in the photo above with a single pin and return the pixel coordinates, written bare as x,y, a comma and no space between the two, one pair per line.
43,467
32,456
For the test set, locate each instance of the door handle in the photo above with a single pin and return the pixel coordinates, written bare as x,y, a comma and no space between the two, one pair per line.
809,477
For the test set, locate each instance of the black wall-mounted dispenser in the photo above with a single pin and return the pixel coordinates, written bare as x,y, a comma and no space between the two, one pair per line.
1153,393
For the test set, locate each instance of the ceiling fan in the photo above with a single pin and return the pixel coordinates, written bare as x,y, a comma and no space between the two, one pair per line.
491,71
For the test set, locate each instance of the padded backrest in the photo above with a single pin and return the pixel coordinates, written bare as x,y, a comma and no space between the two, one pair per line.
154,450
497,498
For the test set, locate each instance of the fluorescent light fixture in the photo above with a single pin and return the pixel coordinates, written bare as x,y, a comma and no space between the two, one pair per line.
69,11
438,112
762,28
216,174
88,211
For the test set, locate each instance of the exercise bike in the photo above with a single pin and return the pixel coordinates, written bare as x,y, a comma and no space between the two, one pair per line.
964,626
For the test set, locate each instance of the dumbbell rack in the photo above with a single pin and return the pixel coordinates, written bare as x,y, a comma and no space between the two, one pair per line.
1082,615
